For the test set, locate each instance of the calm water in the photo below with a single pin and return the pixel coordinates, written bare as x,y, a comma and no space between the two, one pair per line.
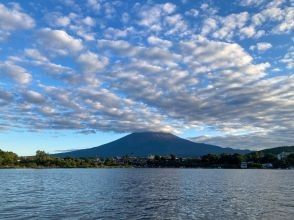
146,194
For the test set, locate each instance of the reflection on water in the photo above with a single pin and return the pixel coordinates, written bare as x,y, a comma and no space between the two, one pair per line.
146,194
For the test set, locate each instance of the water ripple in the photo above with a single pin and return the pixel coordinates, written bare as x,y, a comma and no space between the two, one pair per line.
146,194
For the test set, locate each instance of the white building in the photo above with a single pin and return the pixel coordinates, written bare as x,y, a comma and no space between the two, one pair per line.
243,165
151,157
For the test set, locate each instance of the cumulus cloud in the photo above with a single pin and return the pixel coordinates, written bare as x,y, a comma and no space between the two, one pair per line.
261,46
91,62
75,23
114,33
192,12
94,4
58,20
34,57
168,8
14,19
155,41
251,2
33,97
287,24
15,72
89,21
274,16
117,46
225,27
162,17
59,41
5,97
288,58
151,14
35,54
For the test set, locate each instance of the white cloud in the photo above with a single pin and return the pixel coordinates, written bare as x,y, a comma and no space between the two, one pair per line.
125,17
35,54
274,17
15,72
57,19
73,23
5,97
150,17
248,31
155,41
33,97
62,21
89,21
225,28
216,55
59,41
35,58
169,8
14,19
287,24
94,4
176,24
261,46
192,12
288,58
209,25
155,55
91,62
271,14
118,46
204,6
278,18
251,2
156,17
114,33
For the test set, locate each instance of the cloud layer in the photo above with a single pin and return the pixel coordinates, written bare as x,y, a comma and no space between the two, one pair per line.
103,67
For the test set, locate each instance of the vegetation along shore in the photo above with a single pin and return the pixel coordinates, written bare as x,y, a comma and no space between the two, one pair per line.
283,158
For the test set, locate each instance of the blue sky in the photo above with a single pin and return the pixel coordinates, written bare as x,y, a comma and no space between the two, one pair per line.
77,74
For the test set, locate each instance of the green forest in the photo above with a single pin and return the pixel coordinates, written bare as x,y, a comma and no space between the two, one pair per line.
42,159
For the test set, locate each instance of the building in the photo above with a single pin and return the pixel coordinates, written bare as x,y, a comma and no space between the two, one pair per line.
243,165
267,165
151,157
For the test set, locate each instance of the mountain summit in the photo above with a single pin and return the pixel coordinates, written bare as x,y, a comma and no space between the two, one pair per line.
143,144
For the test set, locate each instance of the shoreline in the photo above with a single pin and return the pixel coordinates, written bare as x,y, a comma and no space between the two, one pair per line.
131,167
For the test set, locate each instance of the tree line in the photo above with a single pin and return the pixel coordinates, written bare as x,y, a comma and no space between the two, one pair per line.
44,160
253,160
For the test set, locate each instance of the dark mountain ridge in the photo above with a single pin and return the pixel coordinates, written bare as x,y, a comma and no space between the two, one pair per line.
143,144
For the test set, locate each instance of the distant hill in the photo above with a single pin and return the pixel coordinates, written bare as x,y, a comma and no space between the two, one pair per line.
278,150
143,144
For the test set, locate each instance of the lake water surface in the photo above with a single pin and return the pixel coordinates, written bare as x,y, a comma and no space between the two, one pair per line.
146,194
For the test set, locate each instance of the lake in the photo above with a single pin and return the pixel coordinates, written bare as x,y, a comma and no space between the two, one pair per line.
146,194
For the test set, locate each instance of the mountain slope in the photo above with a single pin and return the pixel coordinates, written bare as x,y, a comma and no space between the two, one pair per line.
278,150
151,143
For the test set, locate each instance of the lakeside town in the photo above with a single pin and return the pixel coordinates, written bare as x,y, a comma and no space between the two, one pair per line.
254,160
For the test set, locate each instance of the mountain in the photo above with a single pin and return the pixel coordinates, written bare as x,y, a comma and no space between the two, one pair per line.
143,144
278,150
